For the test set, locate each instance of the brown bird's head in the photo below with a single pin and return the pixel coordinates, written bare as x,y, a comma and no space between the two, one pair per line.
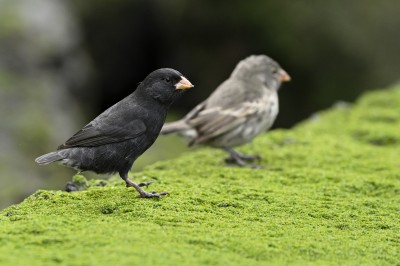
263,69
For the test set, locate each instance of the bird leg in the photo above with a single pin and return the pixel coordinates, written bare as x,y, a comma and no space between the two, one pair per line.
142,193
239,159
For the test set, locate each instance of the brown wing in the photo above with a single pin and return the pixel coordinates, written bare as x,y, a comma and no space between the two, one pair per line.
227,108
213,122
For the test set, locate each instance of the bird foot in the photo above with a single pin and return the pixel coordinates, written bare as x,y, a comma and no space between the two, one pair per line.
153,194
238,159
242,159
142,193
245,165
241,162
250,158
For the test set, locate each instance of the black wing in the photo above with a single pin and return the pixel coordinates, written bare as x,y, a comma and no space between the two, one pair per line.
92,135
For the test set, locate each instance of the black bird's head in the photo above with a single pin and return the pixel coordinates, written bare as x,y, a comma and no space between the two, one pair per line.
262,68
164,85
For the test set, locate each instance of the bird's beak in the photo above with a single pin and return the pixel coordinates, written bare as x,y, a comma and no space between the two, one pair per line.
284,77
183,84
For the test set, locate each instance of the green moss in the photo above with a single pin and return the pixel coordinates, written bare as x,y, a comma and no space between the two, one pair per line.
328,195
11,24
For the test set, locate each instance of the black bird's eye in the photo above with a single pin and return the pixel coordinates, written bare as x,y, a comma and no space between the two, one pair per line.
168,80
274,71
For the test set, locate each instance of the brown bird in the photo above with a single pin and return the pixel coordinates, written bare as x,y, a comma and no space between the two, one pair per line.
242,107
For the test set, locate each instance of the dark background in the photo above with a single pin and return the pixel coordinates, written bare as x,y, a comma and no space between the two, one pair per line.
64,62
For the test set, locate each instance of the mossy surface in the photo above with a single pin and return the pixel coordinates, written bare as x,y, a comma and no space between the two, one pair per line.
329,194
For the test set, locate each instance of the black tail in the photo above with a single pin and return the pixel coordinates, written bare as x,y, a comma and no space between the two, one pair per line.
49,158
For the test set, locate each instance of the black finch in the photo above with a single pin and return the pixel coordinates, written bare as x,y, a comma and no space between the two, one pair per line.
116,138
242,107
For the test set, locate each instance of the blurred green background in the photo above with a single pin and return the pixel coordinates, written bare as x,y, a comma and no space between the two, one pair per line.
63,62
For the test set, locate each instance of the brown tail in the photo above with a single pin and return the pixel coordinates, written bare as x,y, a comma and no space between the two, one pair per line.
174,127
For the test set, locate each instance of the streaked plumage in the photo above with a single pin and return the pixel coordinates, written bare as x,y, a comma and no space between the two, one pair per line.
242,107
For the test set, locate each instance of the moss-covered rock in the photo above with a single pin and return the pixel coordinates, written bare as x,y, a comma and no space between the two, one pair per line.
328,195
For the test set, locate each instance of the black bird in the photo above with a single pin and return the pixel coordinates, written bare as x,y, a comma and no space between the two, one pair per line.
116,138
242,107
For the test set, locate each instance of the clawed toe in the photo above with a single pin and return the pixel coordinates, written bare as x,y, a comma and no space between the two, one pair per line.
144,184
238,159
241,163
252,158
142,193
153,194
252,166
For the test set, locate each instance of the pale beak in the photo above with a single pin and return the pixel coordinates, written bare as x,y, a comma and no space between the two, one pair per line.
284,76
183,84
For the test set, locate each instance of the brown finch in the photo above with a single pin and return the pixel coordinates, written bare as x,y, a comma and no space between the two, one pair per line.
242,107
